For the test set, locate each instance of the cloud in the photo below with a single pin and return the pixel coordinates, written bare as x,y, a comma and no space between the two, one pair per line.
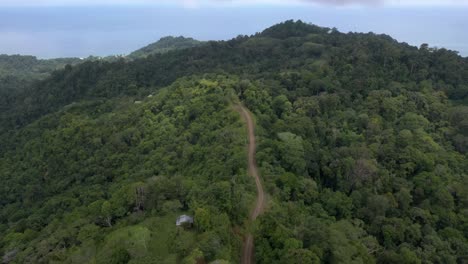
200,3
425,2
346,2
389,2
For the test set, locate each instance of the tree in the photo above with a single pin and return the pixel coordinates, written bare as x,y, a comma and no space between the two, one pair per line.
120,256
202,219
292,152
363,171
106,211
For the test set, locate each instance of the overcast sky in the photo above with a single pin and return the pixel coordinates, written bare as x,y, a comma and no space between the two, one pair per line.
58,28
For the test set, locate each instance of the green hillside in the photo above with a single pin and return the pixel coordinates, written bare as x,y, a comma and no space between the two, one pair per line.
362,148
31,67
18,72
96,153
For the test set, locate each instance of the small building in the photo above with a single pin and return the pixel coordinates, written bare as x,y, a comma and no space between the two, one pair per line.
184,221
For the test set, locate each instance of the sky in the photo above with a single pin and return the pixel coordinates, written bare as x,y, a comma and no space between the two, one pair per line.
79,28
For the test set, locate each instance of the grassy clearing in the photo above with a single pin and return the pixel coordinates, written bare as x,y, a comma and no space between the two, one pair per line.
155,240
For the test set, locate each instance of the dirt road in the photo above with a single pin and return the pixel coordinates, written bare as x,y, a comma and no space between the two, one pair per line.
247,250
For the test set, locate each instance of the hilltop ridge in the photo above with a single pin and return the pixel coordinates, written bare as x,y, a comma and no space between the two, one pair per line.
165,44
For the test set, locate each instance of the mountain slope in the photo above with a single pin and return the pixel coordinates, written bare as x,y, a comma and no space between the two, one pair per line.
18,72
29,67
182,148
362,147
356,60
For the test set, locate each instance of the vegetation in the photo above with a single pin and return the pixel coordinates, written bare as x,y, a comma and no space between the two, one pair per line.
100,166
31,67
363,146
18,72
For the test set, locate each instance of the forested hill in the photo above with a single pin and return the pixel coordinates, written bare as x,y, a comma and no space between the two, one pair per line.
164,45
359,61
18,72
362,146
27,67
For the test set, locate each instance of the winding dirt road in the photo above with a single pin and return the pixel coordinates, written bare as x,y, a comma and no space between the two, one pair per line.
247,249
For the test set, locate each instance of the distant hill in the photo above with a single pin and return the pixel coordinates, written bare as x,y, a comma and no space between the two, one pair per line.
18,72
30,67
164,45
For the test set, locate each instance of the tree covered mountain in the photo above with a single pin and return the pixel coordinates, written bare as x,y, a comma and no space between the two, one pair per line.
18,72
164,45
363,146
26,67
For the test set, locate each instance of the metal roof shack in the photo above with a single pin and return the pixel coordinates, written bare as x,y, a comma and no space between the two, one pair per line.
184,220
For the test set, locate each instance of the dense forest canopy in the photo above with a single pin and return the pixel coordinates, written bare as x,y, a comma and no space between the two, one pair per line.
18,72
29,66
363,146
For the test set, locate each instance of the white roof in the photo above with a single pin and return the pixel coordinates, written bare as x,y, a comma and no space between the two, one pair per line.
184,219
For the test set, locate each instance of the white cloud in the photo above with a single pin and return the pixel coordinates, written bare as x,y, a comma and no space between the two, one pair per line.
427,2
200,3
